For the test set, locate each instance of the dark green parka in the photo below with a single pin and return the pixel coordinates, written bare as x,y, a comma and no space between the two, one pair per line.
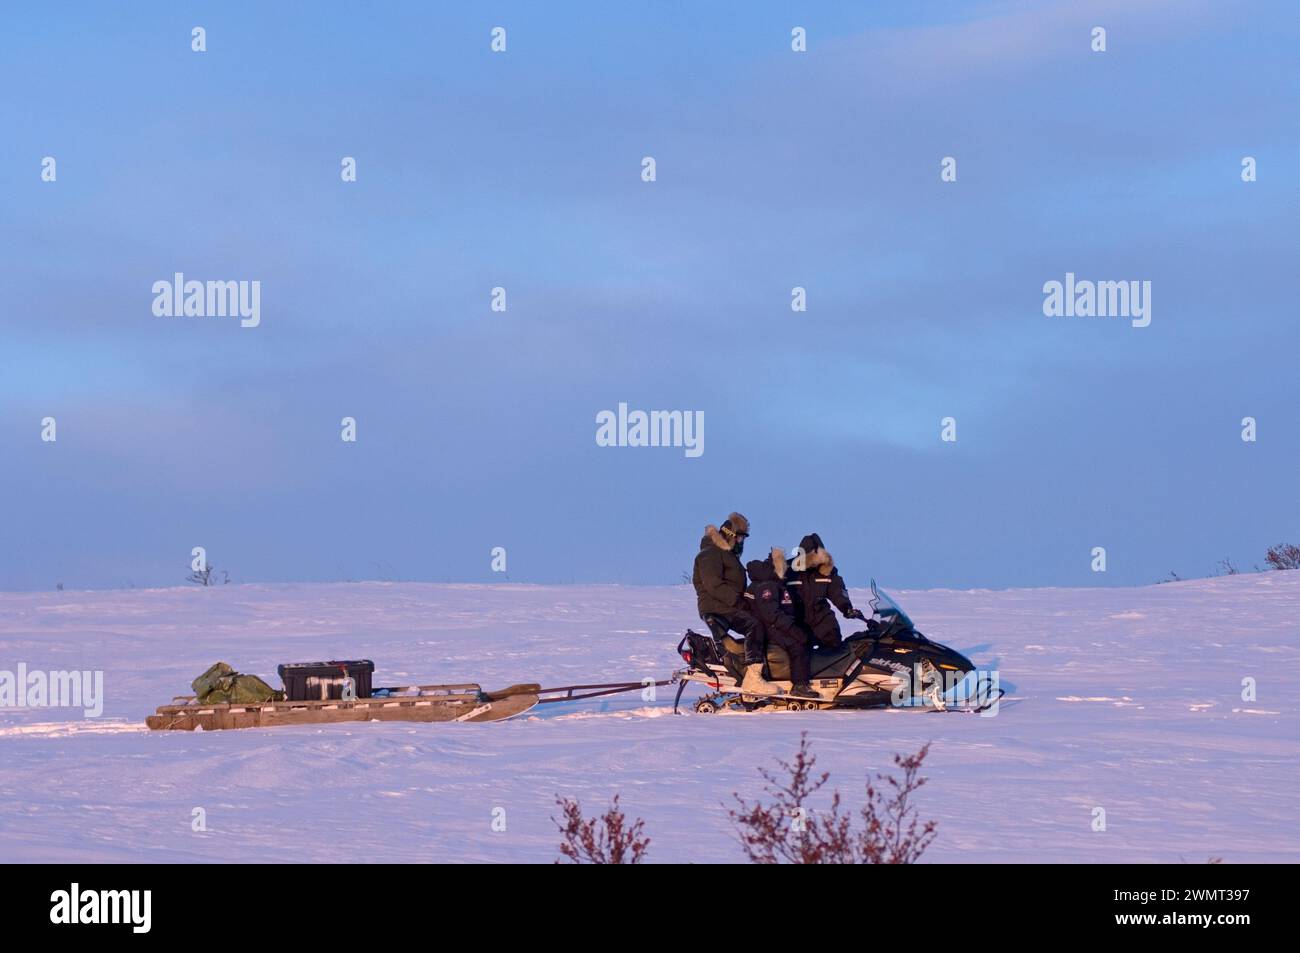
719,577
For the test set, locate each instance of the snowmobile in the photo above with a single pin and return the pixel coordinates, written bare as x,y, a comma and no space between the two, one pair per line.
888,664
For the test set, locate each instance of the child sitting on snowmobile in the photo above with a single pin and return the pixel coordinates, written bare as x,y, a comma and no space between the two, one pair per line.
771,604
815,585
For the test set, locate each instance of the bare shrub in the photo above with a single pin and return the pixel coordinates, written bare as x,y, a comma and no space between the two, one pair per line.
607,839
207,577
889,830
1226,567
1283,556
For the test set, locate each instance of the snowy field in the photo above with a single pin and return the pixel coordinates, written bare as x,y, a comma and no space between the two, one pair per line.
1124,699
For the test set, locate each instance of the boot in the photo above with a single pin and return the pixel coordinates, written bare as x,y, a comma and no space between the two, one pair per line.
803,690
754,683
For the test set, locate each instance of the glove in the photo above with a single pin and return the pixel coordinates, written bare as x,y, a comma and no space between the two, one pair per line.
855,614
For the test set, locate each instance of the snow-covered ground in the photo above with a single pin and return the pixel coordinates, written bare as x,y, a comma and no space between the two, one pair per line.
1125,699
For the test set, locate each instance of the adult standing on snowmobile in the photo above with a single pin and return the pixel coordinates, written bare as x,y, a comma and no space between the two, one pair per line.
815,585
719,580
772,604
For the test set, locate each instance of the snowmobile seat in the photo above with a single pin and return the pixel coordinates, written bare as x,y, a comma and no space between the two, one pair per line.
731,650
825,662
830,661
778,663
733,645
775,654
727,642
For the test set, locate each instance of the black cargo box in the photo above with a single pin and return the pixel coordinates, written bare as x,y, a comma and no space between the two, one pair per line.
319,681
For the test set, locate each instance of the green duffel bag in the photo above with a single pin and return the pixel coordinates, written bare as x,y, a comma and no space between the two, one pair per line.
211,679
222,685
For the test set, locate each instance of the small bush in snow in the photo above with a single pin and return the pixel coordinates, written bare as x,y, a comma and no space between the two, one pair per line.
1283,556
207,577
787,831
1226,567
600,840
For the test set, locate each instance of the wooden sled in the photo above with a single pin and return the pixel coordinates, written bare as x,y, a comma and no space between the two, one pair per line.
467,703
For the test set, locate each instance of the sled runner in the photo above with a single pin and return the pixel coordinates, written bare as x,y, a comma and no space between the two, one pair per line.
427,703
887,665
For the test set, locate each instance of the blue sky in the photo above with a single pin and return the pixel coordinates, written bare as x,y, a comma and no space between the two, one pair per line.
775,169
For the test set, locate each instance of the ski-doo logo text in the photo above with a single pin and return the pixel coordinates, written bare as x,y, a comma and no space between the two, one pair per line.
209,299
656,428
1098,299
103,906
24,689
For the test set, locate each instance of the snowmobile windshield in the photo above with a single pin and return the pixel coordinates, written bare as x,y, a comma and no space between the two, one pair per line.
885,607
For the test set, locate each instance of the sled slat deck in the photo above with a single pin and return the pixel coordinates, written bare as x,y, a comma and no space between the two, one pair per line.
425,703
446,693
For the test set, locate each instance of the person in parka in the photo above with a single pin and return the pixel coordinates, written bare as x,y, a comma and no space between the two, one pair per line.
815,585
719,580
775,610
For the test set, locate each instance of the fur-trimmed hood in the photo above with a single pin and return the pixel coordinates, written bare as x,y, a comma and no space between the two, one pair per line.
771,569
778,561
713,537
820,560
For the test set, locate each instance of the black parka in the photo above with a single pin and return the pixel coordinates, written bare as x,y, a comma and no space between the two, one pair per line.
815,589
770,601
719,578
